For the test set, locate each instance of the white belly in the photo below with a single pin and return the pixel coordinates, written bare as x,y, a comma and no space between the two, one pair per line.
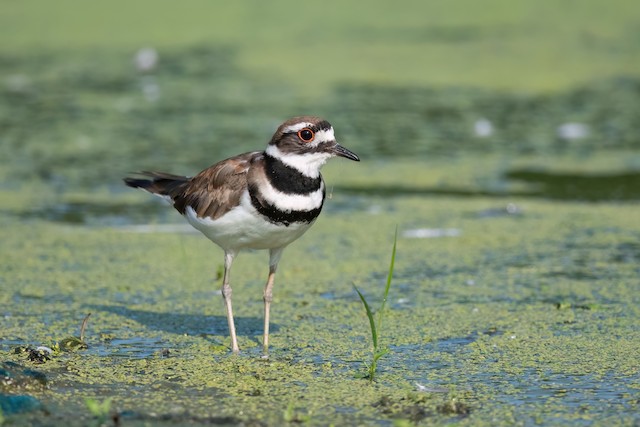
244,228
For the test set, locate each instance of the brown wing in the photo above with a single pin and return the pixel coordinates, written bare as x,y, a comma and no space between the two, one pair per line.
217,189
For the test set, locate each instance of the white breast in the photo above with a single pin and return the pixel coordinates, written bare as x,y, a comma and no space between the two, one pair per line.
243,227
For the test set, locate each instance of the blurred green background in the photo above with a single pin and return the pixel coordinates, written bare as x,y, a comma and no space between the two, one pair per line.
418,79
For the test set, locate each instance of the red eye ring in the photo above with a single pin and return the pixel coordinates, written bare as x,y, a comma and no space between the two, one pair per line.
306,135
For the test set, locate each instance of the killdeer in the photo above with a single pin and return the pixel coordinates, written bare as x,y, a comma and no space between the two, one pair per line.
257,200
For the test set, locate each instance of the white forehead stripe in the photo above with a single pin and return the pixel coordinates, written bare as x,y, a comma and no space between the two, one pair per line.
323,135
297,127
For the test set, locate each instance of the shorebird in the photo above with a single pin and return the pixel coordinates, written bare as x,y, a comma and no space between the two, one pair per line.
256,200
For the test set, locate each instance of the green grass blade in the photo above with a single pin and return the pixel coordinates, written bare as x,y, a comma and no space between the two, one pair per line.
372,323
389,278
377,352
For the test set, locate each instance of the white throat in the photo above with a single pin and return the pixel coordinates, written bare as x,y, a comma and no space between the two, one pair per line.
308,164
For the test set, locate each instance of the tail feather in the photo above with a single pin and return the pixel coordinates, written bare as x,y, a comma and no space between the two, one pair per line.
160,183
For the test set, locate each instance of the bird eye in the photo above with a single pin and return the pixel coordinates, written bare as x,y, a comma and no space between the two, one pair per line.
306,134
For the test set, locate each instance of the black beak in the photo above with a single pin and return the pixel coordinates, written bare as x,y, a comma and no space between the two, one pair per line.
339,150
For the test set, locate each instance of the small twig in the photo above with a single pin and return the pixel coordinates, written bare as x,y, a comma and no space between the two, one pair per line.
84,326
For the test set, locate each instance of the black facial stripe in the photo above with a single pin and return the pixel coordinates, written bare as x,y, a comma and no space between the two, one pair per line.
287,179
323,125
277,216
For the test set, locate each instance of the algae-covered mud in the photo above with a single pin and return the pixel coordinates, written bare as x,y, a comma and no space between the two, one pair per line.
503,310
500,140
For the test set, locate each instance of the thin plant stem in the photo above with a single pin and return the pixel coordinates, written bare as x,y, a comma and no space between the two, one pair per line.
389,278
377,352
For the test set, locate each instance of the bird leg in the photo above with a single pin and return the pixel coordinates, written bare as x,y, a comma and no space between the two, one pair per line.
274,258
226,295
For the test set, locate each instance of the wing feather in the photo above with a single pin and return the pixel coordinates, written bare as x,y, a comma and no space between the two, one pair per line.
217,189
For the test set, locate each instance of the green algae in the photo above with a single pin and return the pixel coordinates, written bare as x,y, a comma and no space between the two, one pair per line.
518,319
